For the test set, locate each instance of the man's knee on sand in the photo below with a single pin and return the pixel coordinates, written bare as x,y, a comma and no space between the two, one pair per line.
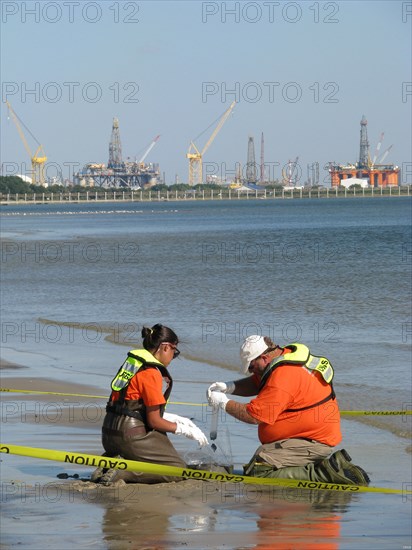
337,468
288,453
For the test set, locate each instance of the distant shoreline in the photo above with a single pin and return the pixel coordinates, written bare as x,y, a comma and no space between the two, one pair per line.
226,194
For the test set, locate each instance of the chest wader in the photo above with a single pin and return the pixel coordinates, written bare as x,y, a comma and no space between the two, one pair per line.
337,468
125,428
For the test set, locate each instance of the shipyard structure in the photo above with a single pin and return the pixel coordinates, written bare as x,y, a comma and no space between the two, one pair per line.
367,171
119,173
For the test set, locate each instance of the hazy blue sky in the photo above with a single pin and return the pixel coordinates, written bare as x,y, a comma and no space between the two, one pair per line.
303,73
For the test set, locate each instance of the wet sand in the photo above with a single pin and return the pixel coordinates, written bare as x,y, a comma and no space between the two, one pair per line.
41,511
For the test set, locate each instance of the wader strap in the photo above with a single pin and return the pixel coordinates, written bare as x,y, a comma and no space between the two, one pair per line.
124,411
332,395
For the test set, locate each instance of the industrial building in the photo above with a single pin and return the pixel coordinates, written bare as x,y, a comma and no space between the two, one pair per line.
371,171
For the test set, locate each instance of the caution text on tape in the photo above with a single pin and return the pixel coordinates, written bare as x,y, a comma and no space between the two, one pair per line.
96,461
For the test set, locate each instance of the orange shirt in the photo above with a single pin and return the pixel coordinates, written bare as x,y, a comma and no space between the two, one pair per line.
147,385
294,387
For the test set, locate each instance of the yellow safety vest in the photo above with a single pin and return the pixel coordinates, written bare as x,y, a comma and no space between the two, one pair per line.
135,359
301,356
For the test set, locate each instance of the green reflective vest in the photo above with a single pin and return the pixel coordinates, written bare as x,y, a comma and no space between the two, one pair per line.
301,356
135,359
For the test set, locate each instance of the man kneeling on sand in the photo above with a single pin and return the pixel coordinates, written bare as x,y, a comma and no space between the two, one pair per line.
296,411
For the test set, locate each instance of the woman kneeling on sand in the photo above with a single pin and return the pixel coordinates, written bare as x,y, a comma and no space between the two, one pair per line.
135,426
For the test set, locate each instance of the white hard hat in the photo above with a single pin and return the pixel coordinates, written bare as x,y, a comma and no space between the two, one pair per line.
252,347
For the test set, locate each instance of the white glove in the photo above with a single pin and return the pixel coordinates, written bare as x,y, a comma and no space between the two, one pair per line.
224,387
192,432
217,399
175,418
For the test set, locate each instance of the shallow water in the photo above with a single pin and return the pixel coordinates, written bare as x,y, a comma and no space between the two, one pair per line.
78,283
332,274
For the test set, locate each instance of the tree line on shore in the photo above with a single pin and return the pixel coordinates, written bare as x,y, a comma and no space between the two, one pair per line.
15,184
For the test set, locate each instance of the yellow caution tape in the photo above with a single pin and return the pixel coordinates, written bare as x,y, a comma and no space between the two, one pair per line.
348,413
376,413
36,392
95,461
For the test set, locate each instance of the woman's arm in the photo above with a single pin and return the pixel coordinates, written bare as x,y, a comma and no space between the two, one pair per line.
183,426
157,422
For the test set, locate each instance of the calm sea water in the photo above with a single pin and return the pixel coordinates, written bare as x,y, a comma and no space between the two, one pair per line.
80,280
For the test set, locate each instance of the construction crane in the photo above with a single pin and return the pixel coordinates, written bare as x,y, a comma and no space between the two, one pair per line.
153,143
196,157
385,154
39,158
375,159
378,146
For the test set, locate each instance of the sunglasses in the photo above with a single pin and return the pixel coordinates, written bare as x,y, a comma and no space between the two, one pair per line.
176,352
268,350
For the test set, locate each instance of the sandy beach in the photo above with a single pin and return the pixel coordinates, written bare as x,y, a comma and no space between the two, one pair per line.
54,505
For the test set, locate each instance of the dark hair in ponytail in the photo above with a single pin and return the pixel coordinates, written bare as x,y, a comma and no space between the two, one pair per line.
153,337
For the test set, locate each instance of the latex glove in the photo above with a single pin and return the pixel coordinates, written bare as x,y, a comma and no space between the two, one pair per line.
224,387
175,418
192,432
217,400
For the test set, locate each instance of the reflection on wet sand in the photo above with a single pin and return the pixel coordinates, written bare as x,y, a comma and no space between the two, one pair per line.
196,512
313,524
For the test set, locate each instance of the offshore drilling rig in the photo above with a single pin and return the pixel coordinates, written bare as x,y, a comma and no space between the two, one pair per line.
372,170
119,173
